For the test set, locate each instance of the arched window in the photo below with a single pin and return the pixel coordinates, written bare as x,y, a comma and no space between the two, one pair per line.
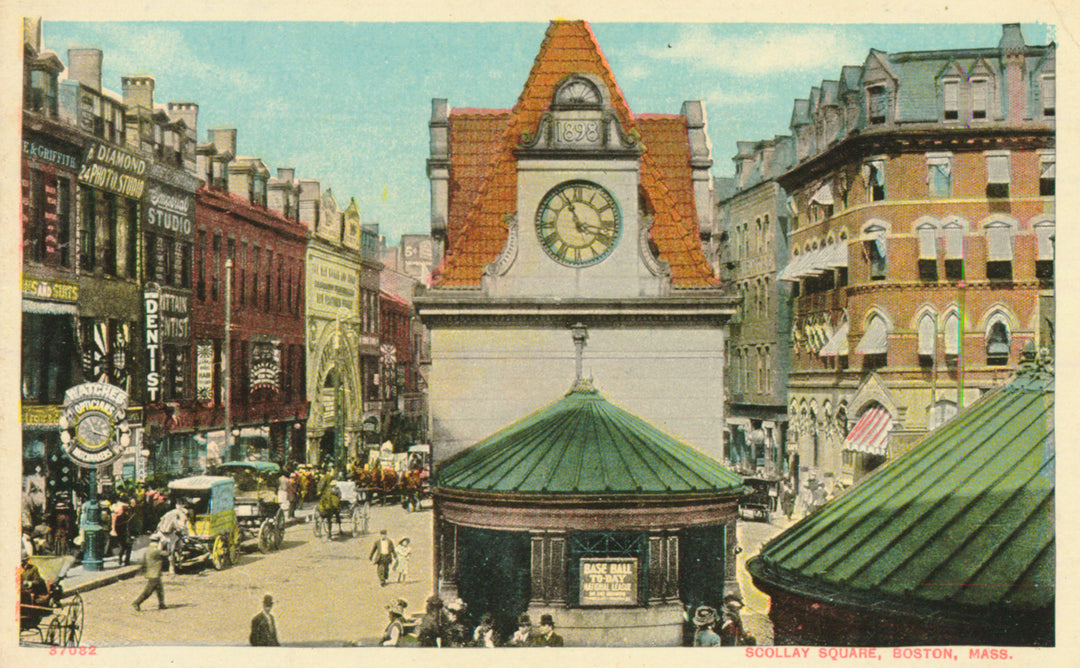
875,251
735,371
927,339
997,343
952,334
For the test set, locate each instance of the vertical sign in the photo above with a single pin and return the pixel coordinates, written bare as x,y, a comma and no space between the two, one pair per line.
204,372
152,311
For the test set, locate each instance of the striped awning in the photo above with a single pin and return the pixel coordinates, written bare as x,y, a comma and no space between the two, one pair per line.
837,344
871,432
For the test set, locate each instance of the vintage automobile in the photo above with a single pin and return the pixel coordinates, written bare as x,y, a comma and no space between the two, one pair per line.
258,510
213,533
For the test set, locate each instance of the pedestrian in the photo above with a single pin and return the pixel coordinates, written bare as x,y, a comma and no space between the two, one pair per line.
454,634
704,635
523,637
731,628
431,633
121,528
154,558
485,634
292,488
382,554
283,492
173,525
396,628
547,636
401,558
263,627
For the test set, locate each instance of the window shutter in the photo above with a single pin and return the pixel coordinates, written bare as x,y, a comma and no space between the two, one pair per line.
997,169
926,336
999,243
952,334
927,242
1045,234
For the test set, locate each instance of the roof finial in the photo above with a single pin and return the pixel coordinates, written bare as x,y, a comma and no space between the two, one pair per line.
581,335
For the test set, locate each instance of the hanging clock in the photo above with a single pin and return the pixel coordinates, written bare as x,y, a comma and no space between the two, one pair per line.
578,223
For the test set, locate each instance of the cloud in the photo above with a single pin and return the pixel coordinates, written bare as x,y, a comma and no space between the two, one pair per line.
734,97
769,49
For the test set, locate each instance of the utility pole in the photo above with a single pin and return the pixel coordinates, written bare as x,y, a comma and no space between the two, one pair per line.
226,357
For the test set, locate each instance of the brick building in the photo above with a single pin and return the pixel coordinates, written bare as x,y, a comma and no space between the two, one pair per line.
922,227
265,375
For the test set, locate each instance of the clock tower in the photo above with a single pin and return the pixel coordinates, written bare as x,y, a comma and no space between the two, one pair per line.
567,209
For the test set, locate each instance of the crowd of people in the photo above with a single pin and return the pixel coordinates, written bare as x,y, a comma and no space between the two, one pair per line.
723,629
448,625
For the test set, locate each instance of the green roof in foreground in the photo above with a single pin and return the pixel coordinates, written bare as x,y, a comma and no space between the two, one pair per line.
581,444
963,520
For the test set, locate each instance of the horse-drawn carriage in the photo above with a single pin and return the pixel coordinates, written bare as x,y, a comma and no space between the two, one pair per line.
41,598
258,510
760,497
340,500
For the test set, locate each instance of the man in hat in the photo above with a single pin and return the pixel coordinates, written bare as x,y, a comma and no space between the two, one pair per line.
731,628
523,637
431,633
704,636
154,558
263,626
396,628
547,636
383,553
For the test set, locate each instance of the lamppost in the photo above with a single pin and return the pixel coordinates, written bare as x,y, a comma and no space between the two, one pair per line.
226,358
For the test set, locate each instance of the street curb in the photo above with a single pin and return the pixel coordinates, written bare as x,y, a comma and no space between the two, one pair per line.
126,572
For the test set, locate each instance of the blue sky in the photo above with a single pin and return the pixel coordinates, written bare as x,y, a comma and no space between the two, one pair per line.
348,103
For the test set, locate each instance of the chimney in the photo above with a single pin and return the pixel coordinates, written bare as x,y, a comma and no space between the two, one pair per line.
1012,54
138,90
286,173
84,66
32,32
188,112
309,203
224,140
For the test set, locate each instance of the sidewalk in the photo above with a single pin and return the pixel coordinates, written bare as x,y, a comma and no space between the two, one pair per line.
78,580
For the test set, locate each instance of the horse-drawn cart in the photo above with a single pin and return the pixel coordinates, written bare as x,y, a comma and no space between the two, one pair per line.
258,510
41,598
760,497
213,533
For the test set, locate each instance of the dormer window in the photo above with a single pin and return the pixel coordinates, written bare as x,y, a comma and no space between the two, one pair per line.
578,92
979,98
41,96
1048,92
877,100
950,91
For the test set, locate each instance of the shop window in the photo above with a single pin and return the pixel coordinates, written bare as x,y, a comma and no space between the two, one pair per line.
49,356
998,176
997,344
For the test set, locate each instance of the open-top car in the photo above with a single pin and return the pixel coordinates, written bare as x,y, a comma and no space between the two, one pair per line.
258,510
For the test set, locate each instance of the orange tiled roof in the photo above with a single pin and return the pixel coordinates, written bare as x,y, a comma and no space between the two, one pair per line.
484,177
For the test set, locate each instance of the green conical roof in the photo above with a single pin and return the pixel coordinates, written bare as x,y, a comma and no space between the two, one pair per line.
965,520
582,445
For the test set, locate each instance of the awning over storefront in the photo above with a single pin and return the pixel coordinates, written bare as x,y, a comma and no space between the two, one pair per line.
875,340
815,262
871,432
837,344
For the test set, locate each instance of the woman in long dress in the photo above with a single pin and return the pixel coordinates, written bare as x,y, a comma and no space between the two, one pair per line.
401,558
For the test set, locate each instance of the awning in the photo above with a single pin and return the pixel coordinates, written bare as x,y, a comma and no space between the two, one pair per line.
815,262
875,340
823,195
837,344
836,255
56,308
791,271
871,432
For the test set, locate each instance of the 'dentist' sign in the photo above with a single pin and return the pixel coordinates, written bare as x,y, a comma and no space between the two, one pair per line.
609,581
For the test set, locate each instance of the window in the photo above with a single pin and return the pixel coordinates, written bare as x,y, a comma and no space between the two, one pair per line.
874,178
979,98
200,279
256,261
874,251
997,175
939,174
951,99
997,343
88,230
215,289
927,252
48,348
1047,87
999,252
1047,173
927,340
952,335
736,359
1044,264
877,101
41,96
940,413
46,218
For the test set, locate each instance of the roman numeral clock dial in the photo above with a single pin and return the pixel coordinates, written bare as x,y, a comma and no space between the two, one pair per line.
578,223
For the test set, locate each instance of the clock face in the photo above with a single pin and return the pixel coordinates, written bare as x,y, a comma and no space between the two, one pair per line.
578,223
93,429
